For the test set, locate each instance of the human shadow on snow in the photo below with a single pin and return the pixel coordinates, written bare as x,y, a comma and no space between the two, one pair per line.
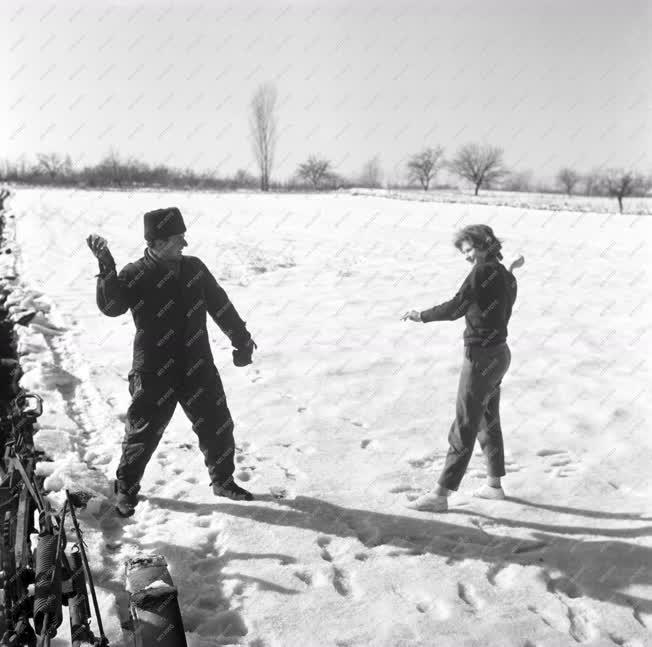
601,569
198,573
596,514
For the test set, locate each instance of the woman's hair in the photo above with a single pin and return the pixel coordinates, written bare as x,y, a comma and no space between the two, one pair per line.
480,237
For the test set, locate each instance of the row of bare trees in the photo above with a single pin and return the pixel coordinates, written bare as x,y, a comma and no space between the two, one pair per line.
114,171
617,183
480,165
483,166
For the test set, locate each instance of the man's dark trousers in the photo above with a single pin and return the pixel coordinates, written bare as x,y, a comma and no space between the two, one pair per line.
154,399
477,413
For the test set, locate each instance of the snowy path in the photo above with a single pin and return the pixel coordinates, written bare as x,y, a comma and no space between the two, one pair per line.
346,409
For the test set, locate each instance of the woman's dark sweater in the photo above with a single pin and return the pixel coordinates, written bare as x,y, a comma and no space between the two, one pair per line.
485,299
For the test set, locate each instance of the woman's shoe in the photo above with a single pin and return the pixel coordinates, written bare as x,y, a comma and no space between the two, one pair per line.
489,492
430,502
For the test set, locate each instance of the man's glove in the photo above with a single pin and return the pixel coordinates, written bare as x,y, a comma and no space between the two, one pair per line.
242,355
101,251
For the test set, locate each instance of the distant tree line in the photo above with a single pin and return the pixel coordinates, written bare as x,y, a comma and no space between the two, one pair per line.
481,166
115,172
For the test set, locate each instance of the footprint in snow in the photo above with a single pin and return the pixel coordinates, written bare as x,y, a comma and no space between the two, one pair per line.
492,571
355,423
582,627
532,609
550,452
561,585
425,461
468,595
398,489
323,541
341,582
340,579
512,466
305,576
561,463
288,474
529,547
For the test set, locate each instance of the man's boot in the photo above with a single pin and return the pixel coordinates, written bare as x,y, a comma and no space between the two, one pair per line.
125,500
230,489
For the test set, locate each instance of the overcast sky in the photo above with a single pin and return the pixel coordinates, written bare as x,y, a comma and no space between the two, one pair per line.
555,82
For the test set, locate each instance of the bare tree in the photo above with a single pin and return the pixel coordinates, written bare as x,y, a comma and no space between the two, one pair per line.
423,166
263,125
53,164
567,178
371,175
480,165
619,183
315,170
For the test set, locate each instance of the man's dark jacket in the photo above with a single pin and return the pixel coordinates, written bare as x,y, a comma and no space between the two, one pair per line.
170,313
485,299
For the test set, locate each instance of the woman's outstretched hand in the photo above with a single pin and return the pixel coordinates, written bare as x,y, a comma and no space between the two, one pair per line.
412,315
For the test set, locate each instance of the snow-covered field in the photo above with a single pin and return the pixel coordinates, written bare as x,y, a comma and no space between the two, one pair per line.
519,200
348,408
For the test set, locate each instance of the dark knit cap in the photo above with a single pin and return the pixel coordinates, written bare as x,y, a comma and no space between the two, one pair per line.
162,223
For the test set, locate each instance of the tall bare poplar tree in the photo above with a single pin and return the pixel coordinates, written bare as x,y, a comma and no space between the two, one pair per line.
263,130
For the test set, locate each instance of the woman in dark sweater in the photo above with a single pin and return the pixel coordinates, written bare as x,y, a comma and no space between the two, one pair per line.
485,299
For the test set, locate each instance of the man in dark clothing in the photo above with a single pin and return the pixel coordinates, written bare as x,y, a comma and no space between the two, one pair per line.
169,296
485,298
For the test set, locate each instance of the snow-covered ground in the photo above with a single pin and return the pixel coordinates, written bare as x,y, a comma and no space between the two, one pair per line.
348,408
519,200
